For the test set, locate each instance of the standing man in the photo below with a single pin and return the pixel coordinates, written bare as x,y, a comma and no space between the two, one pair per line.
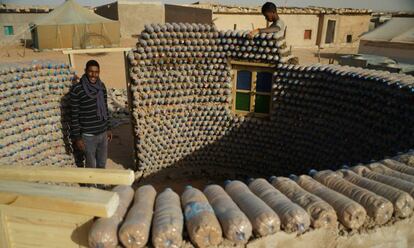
90,123
269,10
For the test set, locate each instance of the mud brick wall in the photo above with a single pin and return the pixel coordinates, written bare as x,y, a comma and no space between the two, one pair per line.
321,116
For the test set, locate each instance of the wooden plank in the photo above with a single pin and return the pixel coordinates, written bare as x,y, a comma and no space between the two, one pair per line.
4,236
66,175
97,50
253,81
253,64
27,227
76,200
130,105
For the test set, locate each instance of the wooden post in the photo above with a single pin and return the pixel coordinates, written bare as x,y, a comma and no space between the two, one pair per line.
71,57
319,53
128,82
130,103
24,48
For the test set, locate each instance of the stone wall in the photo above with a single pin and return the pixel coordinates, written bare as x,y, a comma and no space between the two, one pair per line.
321,116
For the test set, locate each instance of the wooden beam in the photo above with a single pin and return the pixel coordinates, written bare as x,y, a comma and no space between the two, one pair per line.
245,63
26,227
4,237
76,200
97,50
130,99
66,175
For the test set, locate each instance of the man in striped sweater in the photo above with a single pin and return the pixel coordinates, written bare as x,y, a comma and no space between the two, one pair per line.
90,123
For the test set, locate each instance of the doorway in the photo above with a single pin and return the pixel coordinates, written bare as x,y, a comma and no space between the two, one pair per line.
330,32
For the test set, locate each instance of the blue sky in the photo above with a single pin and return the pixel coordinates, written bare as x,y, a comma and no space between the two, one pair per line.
407,5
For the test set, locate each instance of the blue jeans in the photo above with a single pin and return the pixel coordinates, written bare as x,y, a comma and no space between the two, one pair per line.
96,150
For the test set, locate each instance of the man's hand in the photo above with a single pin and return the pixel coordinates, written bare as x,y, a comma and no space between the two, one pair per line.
253,33
109,134
80,145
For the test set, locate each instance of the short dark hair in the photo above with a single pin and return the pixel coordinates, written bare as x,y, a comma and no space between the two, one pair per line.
269,7
91,63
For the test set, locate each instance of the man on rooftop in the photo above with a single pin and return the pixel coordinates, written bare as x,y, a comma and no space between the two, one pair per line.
269,10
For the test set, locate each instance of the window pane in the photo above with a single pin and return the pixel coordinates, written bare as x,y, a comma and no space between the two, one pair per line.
243,101
8,30
244,80
262,104
308,34
264,82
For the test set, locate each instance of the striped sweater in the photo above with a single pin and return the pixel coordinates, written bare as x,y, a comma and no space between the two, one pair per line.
84,118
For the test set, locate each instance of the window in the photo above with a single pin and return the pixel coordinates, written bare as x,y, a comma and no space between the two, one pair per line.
330,32
8,30
349,38
252,87
308,34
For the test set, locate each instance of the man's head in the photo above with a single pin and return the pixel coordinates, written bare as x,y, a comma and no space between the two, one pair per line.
92,71
269,10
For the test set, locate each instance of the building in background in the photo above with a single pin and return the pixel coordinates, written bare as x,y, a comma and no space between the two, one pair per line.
305,27
176,13
134,15
15,20
379,18
394,39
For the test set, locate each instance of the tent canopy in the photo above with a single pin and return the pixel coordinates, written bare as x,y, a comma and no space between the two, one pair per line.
398,29
72,26
71,12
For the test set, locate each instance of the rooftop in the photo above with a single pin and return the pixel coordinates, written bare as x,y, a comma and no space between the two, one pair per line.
218,8
398,29
13,8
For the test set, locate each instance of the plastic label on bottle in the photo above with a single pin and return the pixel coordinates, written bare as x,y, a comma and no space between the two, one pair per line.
194,208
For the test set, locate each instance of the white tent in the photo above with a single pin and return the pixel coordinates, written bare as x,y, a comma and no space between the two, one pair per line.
72,26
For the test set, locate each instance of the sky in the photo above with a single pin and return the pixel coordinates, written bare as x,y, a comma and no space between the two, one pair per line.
389,5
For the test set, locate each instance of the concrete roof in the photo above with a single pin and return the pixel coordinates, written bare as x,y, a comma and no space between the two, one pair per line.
218,8
398,29
139,2
13,8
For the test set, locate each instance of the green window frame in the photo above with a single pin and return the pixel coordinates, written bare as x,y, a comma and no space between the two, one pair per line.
252,88
8,30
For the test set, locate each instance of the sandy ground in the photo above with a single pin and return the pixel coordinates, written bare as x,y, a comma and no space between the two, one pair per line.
398,234
121,148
